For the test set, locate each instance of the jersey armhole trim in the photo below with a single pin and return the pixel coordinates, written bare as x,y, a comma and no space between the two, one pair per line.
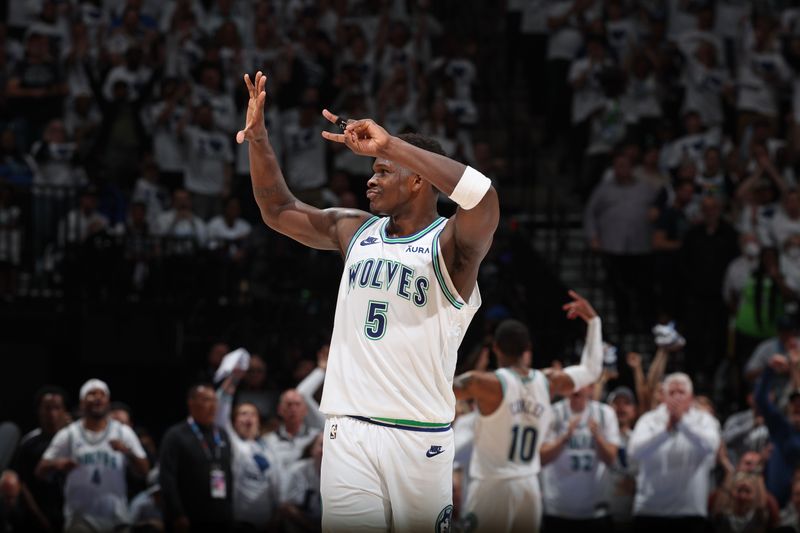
358,232
502,383
437,268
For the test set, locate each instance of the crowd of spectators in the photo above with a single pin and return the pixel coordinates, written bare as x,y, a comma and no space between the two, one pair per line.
676,124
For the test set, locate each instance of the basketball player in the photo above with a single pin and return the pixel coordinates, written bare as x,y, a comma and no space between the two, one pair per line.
407,295
514,415
94,451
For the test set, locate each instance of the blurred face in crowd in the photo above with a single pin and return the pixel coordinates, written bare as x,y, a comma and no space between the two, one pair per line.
579,399
625,410
203,405
55,133
711,162
204,117
36,48
711,210
692,123
121,415
256,373
796,495
181,201
684,192
791,248
744,494
292,408
138,214
749,245
623,169
232,209
794,411
706,54
211,79
88,203
10,488
749,462
95,404
51,413
246,421
679,393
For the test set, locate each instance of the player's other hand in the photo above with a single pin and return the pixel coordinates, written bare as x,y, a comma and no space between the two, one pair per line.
118,446
779,363
64,464
363,137
254,128
579,307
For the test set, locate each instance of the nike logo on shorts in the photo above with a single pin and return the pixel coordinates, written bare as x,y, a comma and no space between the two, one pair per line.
434,451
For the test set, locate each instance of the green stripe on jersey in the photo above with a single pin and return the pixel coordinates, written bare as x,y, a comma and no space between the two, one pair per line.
411,423
410,238
438,271
358,232
502,381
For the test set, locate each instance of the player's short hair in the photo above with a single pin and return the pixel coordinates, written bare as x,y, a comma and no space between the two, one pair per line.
679,377
55,390
424,142
512,337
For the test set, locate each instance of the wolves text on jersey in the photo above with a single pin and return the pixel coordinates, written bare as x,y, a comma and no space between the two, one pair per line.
387,274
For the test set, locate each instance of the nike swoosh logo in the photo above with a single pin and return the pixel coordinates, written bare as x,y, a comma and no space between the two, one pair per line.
432,453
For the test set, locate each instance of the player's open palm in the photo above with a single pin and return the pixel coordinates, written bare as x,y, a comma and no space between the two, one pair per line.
254,128
364,137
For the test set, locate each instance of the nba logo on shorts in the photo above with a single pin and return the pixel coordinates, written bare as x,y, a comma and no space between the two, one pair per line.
333,431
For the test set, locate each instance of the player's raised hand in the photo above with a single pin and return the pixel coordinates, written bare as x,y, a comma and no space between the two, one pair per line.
579,307
363,137
254,128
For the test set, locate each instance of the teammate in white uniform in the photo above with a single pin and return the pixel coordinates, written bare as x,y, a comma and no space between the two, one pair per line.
407,295
515,413
95,450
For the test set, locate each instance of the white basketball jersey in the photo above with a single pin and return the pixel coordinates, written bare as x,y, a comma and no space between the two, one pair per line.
96,488
399,322
576,483
507,441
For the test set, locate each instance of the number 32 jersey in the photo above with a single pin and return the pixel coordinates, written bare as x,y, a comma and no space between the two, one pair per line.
398,325
507,441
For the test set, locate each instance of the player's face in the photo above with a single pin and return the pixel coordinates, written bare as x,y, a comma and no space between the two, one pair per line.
51,412
246,422
387,188
95,404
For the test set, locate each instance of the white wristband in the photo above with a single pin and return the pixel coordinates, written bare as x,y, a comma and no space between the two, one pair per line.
470,189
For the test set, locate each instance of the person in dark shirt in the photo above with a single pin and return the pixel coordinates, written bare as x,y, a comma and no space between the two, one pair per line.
48,494
784,431
668,233
195,469
708,248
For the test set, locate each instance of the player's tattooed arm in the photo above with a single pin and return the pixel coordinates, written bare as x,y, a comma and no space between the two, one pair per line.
483,387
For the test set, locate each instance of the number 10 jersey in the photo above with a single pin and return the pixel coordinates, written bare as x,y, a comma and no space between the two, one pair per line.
398,325
507,441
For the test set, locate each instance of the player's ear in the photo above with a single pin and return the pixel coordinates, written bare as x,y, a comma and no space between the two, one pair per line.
416,182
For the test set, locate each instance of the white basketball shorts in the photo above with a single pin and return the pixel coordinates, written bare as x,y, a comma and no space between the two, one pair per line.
381,477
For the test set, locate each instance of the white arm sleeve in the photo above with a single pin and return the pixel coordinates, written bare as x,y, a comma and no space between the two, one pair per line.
591,365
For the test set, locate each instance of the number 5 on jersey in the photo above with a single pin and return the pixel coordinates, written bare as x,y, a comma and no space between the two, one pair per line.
375,323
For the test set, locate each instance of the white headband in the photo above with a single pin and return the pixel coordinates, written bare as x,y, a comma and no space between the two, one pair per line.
94,384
